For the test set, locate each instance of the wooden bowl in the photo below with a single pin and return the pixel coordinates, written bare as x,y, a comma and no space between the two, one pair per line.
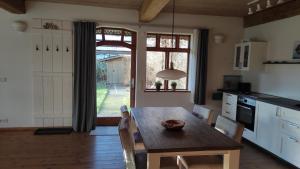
173,124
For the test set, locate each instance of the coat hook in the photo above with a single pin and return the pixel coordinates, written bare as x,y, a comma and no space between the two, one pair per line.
36,48
57,49
67,49
47,48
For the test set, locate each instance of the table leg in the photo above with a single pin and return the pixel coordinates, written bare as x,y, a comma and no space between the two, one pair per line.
153,161
232,160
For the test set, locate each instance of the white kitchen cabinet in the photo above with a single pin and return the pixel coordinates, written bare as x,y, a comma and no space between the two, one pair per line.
229,105
290,149
249,56
268,126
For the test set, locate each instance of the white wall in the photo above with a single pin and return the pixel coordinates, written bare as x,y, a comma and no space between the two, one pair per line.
281,80
15,56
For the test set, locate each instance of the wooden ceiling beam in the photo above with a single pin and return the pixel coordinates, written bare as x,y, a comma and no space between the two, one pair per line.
151,8
13,6
286,10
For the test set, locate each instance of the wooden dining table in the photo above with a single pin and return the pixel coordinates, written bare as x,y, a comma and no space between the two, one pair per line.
195,139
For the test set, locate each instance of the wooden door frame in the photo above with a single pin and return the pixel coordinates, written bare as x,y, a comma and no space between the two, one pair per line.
111,121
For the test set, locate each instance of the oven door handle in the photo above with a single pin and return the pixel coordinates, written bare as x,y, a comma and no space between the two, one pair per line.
244,107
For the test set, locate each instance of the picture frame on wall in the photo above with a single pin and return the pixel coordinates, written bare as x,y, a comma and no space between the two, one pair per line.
296,50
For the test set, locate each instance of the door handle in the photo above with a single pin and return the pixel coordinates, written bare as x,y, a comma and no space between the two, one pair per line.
294,125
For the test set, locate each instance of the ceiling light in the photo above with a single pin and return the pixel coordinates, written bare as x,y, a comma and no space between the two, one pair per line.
171,73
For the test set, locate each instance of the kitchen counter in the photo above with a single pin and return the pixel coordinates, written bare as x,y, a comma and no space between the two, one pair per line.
275,100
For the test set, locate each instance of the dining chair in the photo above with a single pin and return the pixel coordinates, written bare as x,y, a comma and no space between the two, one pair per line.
133,130
138,159
224,125
124,112
203,113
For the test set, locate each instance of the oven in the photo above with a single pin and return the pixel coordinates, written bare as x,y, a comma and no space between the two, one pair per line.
246,112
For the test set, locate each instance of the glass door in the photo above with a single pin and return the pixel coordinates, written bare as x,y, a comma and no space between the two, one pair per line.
115,73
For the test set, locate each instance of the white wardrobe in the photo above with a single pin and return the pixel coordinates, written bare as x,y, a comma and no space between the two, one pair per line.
52,56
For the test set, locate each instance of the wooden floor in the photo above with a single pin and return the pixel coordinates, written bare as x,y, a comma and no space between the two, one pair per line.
23,150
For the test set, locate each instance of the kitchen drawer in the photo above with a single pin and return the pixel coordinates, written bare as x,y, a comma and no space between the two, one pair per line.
229,114
290,149
290,128
230,98
290,115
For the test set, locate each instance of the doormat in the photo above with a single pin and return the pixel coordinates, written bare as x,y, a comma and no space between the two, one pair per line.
105,131
53,131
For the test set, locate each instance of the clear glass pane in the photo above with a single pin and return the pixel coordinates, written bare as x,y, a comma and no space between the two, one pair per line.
155,63
166,42
98,37
113,37
128,39
151,41
184,42
180,60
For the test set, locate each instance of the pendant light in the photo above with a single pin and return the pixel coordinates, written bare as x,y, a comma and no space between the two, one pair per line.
171,73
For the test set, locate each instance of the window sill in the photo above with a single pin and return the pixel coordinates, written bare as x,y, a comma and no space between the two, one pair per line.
167,91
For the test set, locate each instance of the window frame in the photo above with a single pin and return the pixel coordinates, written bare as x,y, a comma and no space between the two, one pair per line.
167,52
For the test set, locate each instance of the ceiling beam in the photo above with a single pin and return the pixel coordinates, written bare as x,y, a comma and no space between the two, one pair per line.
13,6
286,10
151,8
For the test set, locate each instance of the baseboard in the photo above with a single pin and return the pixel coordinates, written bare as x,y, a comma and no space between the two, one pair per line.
17,129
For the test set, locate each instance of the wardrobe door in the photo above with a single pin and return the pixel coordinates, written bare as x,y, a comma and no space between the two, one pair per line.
58,95
57,50
47,51
67,51
37,50
48,95
67,95
38,95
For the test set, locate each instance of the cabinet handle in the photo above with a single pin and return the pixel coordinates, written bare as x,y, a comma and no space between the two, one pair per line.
228,104
227,112
293,139
37,48
294,125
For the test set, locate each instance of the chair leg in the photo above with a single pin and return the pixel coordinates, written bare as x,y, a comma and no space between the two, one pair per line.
179,163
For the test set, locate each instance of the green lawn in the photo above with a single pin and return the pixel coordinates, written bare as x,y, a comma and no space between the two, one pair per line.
101,94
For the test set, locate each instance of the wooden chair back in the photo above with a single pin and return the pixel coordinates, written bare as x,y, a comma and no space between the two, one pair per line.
124,112
127,144
203,113
230,128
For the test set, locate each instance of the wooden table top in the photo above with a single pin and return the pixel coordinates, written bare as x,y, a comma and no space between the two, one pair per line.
195,136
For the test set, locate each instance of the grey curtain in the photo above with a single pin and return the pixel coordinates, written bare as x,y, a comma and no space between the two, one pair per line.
201,67
84,100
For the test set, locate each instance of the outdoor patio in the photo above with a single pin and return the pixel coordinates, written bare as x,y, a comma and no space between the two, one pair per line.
110,98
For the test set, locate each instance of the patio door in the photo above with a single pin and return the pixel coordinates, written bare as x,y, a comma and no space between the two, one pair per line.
115,72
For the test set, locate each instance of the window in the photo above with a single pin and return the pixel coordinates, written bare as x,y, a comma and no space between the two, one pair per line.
161,50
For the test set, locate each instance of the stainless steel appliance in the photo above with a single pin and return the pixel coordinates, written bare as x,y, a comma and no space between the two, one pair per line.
246,112
231,82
